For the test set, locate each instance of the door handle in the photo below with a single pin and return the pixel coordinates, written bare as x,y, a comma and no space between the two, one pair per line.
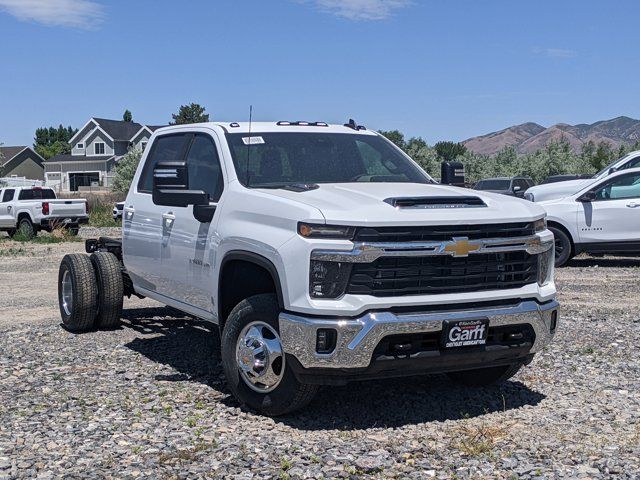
128,212
168,219
633,205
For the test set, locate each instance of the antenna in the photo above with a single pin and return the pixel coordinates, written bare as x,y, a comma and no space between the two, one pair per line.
249,141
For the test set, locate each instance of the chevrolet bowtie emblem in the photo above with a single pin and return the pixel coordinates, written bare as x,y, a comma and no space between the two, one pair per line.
460,247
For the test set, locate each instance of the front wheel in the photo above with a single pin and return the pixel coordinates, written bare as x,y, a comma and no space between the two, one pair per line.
254,362
485,376
563,250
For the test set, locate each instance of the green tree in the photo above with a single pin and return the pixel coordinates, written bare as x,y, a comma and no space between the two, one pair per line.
395,136
125,170
449,151
127,116
192,113
50,141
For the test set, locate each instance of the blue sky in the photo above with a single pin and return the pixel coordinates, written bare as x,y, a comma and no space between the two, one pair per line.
440,69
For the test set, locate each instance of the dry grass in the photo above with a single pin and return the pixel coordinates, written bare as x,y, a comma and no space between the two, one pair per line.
475,440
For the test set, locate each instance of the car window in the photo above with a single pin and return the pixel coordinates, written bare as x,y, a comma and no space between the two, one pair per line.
204,168
624,186
37,194
7,196
167,148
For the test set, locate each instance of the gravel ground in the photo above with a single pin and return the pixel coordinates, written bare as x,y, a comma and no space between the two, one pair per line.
149,400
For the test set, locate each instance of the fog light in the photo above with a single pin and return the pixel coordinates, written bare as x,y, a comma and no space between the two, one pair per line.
326,340
554,321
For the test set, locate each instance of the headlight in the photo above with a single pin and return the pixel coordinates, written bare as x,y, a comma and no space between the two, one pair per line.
314,230
540,225
546,262
328,279
529,196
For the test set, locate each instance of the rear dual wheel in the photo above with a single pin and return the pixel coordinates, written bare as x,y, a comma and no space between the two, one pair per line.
90,291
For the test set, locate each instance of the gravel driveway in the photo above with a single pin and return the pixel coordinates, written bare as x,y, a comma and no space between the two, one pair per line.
149,400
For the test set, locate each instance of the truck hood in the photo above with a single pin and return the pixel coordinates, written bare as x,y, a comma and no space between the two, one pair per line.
364,204
552,191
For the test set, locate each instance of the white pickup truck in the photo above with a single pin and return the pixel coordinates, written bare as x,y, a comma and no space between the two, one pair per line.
603,217
31,209
552,191
325,255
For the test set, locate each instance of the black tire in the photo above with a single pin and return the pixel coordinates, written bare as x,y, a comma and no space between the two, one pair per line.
289,395
563,247
485,376
108,273
26,228
80,314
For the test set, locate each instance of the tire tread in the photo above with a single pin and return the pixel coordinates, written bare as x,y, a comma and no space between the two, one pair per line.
108,274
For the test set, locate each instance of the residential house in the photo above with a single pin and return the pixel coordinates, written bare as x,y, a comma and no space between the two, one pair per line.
95,150
21,161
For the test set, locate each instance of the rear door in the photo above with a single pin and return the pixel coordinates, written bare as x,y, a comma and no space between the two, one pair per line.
145,224
7,219
614,216
188,247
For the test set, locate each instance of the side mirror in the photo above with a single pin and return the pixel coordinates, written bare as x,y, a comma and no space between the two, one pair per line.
171,186
589,196
517,188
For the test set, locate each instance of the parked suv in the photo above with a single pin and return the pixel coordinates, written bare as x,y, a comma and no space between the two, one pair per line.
513,186
325,255
602,218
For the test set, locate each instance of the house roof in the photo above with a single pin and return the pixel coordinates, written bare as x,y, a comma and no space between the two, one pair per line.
118,129
9,152
78,158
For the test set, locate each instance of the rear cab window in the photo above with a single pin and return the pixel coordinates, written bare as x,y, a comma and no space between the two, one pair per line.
37,194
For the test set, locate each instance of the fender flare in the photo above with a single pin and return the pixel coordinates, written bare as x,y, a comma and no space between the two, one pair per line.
258,260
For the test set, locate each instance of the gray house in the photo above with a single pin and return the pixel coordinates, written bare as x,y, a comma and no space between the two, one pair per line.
95,150
21,161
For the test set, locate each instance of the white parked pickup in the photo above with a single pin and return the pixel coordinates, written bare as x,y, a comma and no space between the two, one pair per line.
31,209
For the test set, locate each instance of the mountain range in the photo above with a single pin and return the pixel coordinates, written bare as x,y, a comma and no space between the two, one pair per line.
529,137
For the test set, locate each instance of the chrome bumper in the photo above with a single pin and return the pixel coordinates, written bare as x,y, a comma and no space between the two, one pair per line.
357,338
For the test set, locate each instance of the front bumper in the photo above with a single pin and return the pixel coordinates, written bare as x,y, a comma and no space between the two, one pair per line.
357,338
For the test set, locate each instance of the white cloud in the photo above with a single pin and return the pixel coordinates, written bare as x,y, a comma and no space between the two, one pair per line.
66,13
555,52
361,9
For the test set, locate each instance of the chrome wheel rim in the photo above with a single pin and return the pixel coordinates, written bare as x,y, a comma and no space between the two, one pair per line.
67,292
259,357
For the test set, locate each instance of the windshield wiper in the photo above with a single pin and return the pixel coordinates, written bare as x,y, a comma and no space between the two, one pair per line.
294,187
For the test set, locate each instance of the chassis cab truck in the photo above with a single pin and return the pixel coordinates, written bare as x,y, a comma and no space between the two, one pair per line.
325,255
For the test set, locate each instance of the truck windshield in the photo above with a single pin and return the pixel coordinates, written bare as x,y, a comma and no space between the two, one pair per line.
279,159
493,185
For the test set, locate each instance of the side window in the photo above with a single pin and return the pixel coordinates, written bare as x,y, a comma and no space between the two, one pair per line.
625,186
204,167
168,148
7,196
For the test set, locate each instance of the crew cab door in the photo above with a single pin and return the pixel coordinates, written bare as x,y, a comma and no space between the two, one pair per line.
189,245
614,214
144,227
7,216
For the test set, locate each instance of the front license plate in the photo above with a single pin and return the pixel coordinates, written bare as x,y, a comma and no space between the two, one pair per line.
465,333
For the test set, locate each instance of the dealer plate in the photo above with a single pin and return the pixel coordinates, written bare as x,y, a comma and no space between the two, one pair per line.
464,333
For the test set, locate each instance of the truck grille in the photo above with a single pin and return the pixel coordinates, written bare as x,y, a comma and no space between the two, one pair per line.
443,233
397,276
